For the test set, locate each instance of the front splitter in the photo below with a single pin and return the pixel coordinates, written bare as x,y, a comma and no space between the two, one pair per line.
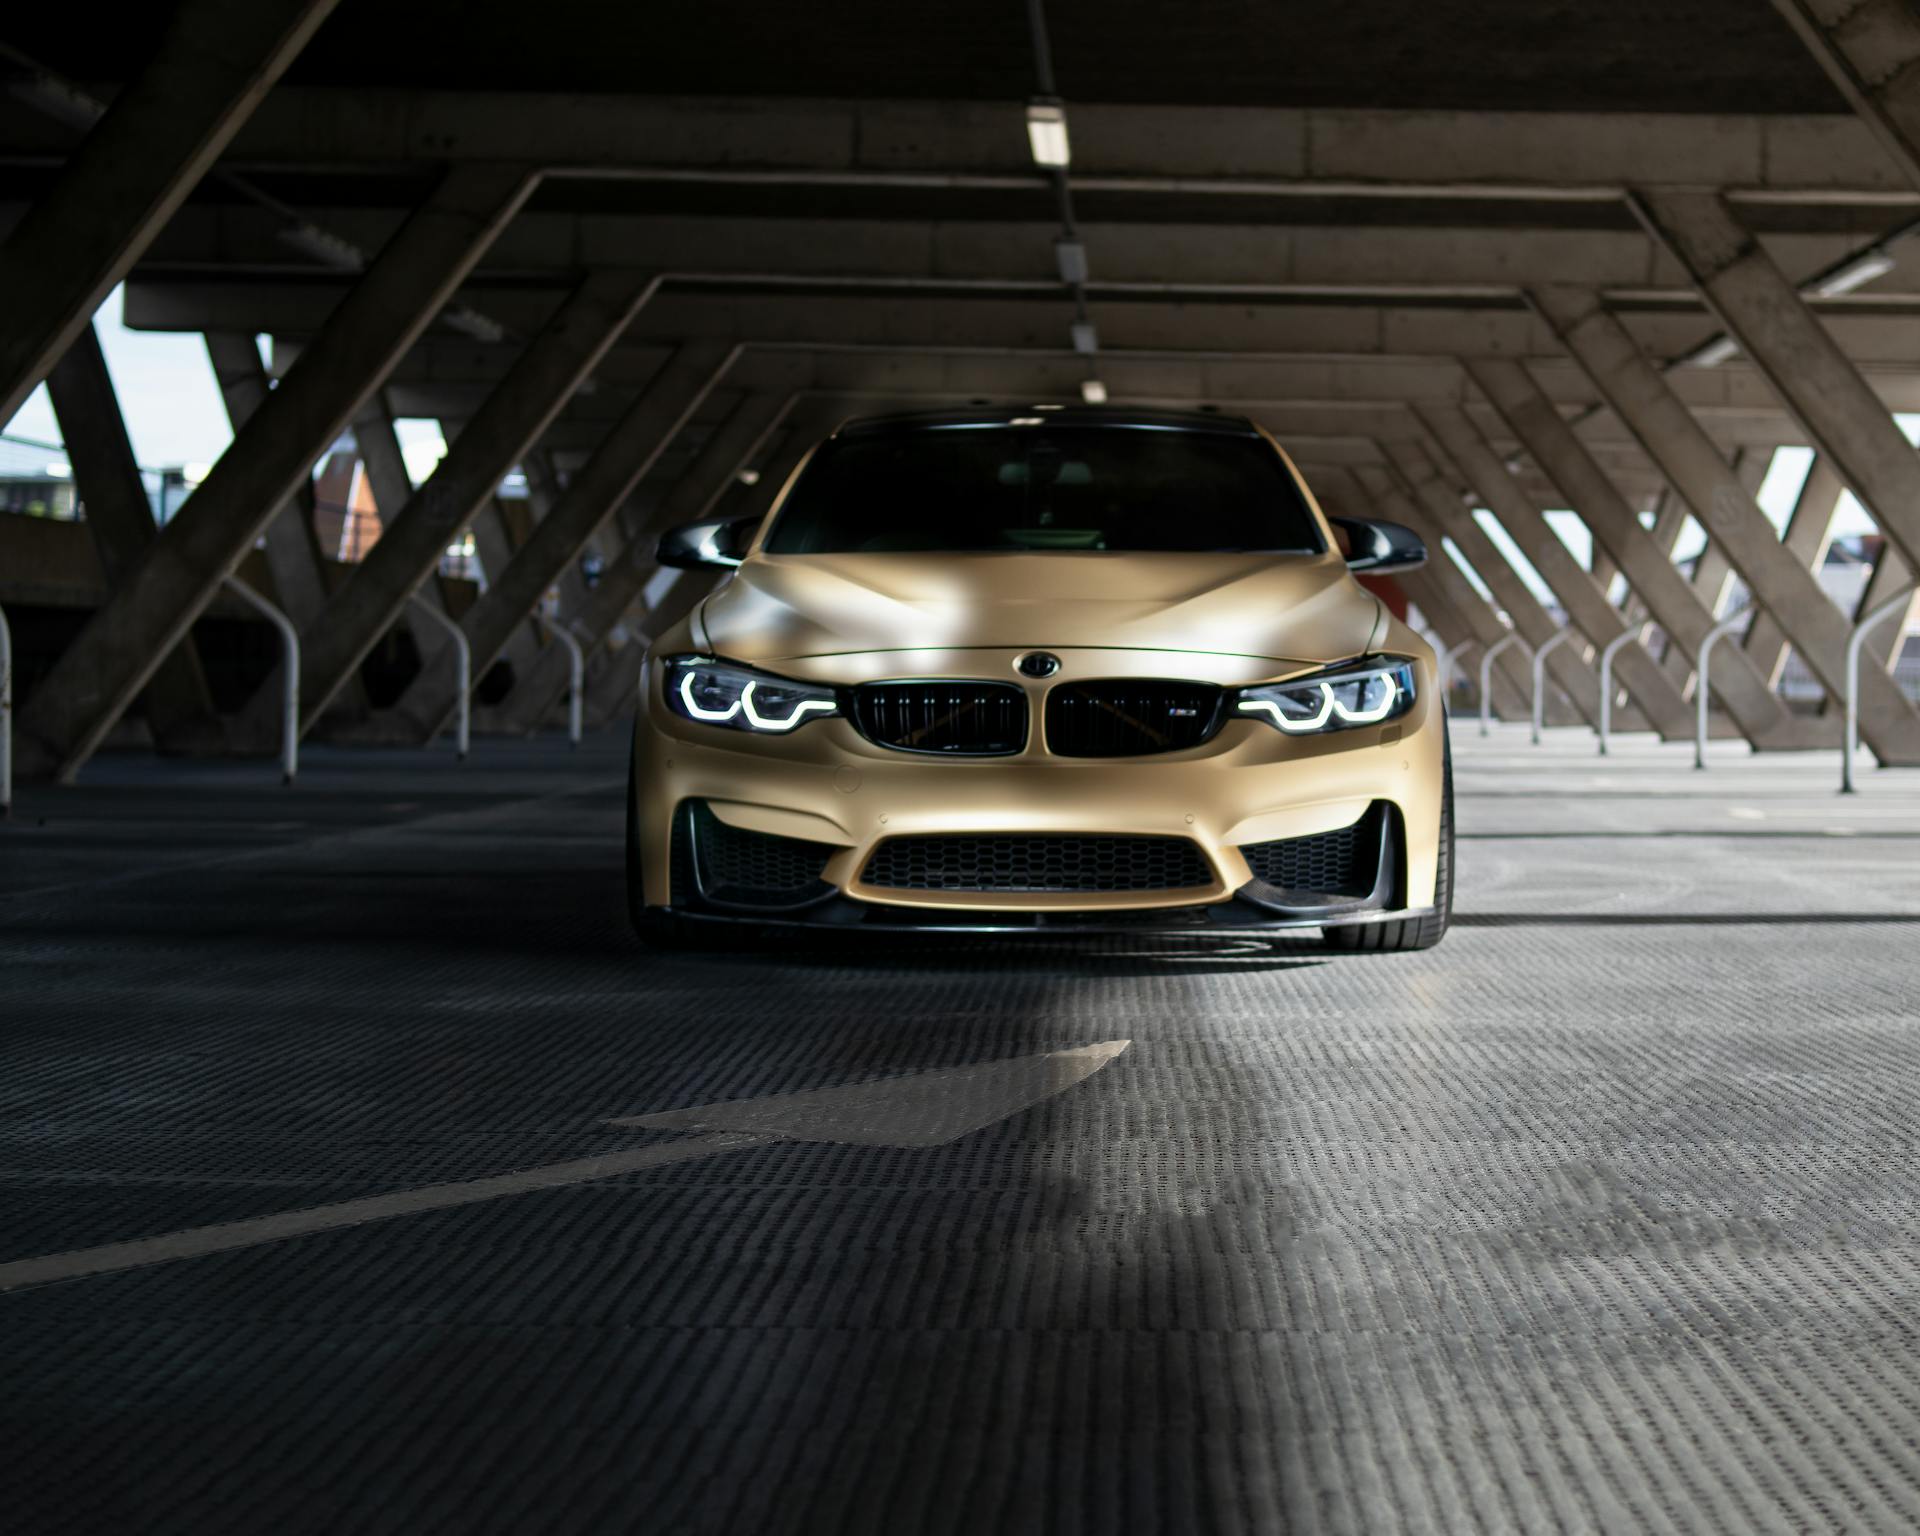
1225,919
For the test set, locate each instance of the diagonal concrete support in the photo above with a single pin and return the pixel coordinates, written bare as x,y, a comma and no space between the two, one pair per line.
378,442
410,281
119,519
1713,568
388,308
1651,574
1439,485
293,552
1868,49
1808,532
1798,356
629,450
731,446
517,411
1384,490
215,62
1583,599
1687,458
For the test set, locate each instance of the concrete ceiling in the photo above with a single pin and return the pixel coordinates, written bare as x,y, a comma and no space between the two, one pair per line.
1558,55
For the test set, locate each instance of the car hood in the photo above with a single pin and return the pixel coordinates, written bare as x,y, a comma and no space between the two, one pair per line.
1288,607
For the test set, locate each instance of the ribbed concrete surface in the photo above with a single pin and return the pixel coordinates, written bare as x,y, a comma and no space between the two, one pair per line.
1602,1216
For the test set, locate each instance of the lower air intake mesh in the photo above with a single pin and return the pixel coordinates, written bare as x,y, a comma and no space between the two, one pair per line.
1040,862
1339,863
744,868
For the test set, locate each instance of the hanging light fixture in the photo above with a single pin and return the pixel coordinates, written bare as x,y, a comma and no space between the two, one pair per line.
1047,133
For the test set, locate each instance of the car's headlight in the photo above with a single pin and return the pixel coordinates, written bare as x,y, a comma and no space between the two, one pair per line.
741,699
1355,693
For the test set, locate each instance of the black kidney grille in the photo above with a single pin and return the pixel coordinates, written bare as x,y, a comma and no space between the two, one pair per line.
961,718
749,868
1130,717
1339,863
1038,862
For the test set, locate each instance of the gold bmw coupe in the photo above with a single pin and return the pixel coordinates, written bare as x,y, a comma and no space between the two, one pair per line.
1043,669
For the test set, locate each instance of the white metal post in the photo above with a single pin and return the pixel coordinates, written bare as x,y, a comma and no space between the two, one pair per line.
1512,637
1701,699
6,717
577,663
290,668
1540,678
1613,648
463,674
1855,640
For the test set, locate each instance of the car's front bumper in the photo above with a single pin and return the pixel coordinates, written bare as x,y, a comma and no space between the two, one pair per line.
826,784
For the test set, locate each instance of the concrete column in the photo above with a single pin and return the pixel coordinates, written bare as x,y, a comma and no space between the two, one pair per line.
293,550
518,410
119,518
1651,575
1439,492
630,448
1585,603
1691,463
214,63
1798,356
1808,532
720,459
398,296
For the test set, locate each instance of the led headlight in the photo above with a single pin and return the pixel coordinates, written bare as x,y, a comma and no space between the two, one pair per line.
741,699
1355,693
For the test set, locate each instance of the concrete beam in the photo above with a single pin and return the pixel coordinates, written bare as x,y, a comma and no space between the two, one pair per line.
607,479
622,580
1579,594
106,666
119,519
1239,152
408,552
1744,691
1689,460
1251,258
215,63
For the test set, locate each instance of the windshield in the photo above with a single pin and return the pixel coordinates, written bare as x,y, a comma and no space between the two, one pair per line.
963,489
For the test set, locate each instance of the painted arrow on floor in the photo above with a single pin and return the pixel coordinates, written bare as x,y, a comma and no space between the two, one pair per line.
923,1109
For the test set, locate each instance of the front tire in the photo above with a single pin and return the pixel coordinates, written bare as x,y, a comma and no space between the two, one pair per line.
1410,933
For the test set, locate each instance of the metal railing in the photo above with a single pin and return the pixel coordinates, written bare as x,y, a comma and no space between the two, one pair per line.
1512,637
290,670
463,674
1445,657
1539,700
1850,744
577,663
1613,648
1702,697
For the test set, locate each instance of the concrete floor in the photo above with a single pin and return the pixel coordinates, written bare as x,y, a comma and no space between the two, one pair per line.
1602,1216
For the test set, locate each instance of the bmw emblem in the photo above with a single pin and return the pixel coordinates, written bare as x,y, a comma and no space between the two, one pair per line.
1038,664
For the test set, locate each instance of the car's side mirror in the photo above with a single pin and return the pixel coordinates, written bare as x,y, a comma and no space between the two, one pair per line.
714,543
1373,546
